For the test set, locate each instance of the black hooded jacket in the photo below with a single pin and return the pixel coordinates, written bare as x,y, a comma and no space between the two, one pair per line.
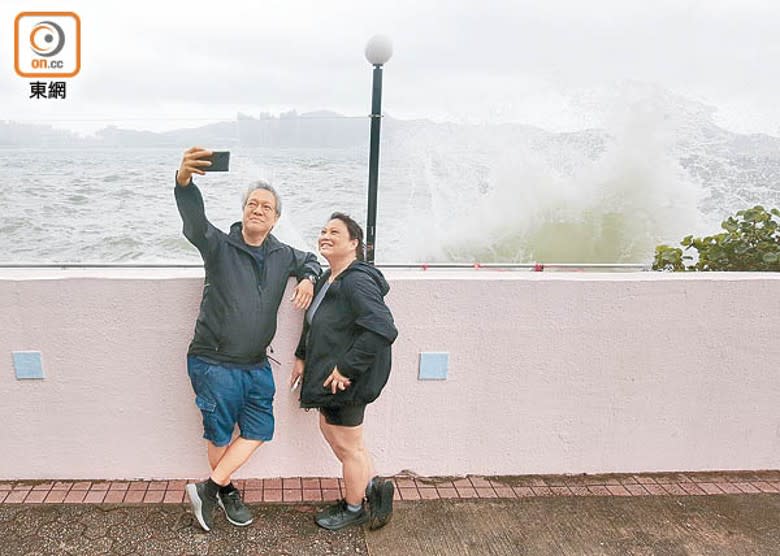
237,317
352,329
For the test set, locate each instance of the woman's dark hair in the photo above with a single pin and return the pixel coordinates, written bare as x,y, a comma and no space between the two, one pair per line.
355,232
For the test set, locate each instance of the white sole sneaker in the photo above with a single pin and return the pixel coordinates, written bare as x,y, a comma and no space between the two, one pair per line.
197,505
236,523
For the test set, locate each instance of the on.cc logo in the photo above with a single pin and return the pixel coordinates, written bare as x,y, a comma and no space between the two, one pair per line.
47,44
47,39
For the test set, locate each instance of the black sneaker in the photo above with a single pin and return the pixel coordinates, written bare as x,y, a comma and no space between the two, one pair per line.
329,511
236,511
340,517
380,502
203,506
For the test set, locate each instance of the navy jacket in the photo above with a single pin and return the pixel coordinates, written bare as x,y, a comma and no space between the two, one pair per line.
237,319
352,329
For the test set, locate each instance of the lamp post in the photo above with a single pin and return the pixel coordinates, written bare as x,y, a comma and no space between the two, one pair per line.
378,51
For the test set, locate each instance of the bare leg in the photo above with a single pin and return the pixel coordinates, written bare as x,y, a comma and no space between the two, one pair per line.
347,444
215,453
236,454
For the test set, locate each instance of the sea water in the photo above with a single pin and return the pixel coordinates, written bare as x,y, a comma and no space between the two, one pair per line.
447,192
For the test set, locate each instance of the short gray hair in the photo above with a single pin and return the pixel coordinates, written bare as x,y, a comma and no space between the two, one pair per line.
265,186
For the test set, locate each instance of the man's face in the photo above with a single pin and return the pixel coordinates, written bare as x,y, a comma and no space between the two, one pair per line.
260,212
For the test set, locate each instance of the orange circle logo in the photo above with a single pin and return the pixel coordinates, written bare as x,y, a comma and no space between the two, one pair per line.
47,39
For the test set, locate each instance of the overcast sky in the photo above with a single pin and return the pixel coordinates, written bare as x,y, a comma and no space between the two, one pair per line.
551,63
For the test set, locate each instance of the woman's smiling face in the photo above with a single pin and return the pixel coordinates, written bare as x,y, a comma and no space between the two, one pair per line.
334,242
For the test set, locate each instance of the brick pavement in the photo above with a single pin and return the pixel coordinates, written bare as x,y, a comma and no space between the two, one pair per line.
322,489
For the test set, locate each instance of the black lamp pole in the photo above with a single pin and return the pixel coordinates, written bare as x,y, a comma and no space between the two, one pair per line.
378,51
373,162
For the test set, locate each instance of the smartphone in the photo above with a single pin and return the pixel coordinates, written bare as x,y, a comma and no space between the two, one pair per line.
220,161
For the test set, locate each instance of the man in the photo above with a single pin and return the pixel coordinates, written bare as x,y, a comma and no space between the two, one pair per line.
246,274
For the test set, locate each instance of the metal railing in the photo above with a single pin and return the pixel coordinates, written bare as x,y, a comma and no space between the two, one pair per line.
538,267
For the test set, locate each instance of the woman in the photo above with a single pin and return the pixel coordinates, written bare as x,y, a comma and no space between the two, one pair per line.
343,359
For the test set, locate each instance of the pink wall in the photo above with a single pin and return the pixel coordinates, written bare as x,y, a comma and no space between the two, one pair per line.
549,373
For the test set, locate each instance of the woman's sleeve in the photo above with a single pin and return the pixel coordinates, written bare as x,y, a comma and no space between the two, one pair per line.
374,322
361,354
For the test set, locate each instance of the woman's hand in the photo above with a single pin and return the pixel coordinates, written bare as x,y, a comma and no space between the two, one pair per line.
296,373
336,381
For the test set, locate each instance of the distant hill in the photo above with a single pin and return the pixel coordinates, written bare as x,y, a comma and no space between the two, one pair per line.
312,129
327,129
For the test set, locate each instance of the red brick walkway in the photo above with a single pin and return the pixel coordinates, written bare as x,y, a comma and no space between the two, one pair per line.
299,489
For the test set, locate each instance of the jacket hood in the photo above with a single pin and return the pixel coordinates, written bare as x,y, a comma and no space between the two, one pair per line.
375,274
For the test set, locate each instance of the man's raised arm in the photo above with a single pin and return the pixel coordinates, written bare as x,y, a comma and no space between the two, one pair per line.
189,200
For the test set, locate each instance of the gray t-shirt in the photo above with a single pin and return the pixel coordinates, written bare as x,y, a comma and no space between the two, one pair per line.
316,303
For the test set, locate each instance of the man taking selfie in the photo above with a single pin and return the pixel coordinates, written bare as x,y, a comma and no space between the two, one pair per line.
246,271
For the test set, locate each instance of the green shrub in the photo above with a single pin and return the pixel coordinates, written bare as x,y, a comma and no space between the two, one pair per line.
751,241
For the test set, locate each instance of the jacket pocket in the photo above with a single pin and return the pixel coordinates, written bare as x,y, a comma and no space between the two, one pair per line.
314,394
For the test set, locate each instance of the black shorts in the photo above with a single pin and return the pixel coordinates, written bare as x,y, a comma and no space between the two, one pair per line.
344,416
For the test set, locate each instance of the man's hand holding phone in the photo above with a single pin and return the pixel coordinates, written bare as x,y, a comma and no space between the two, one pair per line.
198,160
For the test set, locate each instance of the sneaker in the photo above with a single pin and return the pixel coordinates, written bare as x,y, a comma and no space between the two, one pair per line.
203,505
380,502
329,511
341,517
236,511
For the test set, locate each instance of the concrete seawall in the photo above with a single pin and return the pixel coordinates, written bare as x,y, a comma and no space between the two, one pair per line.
547,373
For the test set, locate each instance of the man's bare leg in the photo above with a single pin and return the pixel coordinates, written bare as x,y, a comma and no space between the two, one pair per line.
215,453
236,455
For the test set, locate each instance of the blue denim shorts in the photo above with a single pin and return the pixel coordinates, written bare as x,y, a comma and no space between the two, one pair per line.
229,396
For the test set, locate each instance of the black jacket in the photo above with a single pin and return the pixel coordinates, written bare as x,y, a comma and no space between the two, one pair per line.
237,317
352,329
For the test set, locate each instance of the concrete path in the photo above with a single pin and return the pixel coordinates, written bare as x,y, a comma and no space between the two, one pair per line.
668,525
661,525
